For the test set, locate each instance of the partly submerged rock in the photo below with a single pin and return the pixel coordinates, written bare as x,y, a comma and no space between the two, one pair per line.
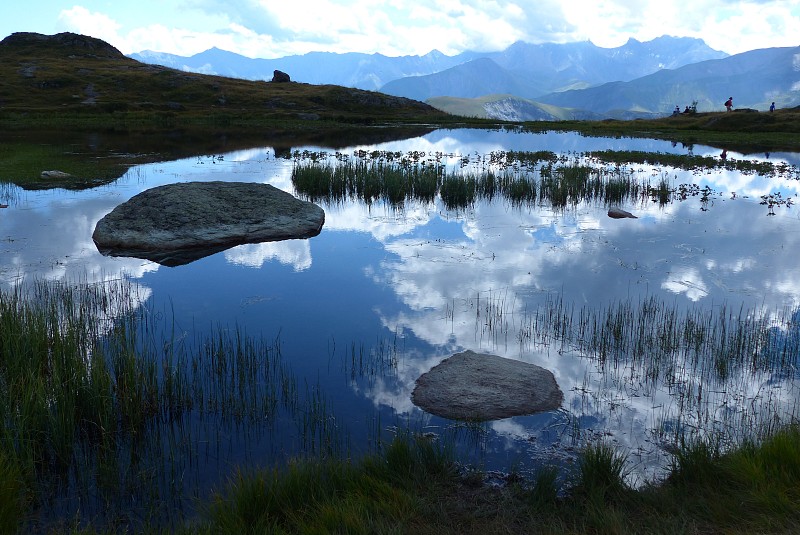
479,387
619,213
55,174
178,223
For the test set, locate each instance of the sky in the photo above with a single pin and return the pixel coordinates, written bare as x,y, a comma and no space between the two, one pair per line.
277,28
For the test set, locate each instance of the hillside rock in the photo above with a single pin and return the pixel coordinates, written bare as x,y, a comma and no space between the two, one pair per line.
179,223
280,77
480,387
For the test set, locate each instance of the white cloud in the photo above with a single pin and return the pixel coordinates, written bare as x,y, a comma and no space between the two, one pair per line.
80,20
183,42
263,28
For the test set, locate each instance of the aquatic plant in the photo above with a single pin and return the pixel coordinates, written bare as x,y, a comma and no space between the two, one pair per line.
100,399
366,180
601,473
522,178
691,162
531,179
373,495
726,373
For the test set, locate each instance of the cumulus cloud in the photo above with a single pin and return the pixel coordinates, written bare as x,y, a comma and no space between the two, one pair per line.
262,28
80,20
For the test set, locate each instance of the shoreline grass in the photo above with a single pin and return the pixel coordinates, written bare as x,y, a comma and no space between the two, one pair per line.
413,486
742,132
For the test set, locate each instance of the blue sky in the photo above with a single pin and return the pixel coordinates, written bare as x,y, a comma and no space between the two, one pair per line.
275,28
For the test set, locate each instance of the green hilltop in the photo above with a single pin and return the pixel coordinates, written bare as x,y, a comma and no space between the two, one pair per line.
73,78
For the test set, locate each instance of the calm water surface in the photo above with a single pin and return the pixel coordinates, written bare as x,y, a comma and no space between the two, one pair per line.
405,288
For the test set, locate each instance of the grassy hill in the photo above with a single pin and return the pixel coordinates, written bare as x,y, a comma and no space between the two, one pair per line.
74,79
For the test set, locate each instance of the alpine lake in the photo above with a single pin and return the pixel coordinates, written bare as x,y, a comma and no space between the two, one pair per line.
678,325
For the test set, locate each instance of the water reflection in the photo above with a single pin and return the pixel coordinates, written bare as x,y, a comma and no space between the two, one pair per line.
385,292
48,236
295,253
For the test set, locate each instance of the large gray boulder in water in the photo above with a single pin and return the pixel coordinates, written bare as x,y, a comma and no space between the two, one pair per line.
178,223
480,387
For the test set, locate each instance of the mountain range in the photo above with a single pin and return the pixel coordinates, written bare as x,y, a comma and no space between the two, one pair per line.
362,71
540,81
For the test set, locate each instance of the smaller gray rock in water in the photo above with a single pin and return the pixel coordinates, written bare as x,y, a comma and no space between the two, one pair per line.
280,76
480,387
57,175
619,213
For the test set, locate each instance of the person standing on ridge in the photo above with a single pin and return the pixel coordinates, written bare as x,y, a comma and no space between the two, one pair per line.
729,104
772,107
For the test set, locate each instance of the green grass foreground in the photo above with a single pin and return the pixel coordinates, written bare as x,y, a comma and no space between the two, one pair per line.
414,487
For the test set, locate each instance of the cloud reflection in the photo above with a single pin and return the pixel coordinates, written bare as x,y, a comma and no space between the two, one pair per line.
51,238
295,253
454,271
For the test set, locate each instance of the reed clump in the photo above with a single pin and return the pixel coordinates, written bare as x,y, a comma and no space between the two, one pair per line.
367,181
101,400
379,494
521,178
703,359
692,162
